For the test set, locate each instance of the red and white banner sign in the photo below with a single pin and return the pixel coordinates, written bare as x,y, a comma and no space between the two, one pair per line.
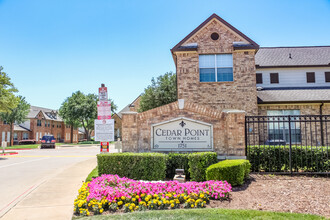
104,125
103,94
103,110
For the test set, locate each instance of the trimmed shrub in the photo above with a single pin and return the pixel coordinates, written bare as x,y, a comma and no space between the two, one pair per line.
276,158
198,163
233,171
138,166
89,142
177,161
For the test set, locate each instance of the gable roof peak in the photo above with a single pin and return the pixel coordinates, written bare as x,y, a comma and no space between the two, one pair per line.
214,16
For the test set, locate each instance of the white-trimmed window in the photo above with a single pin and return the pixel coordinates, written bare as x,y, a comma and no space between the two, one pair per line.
25,136
216,68
279,130
3,136
67,136
15,137
37,136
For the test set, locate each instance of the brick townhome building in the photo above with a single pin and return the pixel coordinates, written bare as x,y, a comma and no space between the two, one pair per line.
40,122
220,69
260,79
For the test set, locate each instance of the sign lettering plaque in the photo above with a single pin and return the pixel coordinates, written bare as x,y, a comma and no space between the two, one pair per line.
182,134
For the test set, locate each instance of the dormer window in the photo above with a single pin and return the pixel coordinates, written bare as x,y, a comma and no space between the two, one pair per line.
216,68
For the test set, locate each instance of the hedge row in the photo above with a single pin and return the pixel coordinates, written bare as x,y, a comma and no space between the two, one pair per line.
233,171
89,142
154,166
198,163
276,158
144,166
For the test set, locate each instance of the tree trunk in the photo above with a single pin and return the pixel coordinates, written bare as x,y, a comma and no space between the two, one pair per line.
86,131
11,135
71,133
88,135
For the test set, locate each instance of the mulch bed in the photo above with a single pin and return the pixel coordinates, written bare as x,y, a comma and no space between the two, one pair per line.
299,194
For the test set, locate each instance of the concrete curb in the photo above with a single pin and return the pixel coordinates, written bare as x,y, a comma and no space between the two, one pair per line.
7,154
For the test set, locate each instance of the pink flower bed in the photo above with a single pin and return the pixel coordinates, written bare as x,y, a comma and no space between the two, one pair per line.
113,187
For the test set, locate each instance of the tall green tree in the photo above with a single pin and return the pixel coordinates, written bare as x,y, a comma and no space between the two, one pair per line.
81,110
8,100
161,92
16,115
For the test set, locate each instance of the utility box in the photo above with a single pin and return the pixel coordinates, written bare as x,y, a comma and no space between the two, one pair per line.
119,145
3,145
179,176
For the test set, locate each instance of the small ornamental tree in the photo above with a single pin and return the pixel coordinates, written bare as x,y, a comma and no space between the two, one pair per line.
8,100
81,110
161,92
16,115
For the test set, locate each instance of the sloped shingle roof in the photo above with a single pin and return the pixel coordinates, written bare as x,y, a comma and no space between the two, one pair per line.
49,114
294,95
126,109
20,128
293,56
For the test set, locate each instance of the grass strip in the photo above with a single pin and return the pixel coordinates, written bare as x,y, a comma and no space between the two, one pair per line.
198,214
92,174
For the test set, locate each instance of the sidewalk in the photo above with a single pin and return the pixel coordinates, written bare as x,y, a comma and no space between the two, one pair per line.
54,198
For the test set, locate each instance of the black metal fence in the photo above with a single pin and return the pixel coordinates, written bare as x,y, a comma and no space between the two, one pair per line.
288,144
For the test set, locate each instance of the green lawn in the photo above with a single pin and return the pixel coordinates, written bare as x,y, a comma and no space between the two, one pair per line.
92,174
23,146
201,214
33,146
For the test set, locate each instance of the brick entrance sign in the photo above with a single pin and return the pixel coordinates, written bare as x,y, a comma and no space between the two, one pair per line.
226,129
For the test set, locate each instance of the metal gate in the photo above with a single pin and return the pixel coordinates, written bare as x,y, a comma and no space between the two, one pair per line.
288,144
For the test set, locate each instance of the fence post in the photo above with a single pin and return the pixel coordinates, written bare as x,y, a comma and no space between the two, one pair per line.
321,127
290,150
246,144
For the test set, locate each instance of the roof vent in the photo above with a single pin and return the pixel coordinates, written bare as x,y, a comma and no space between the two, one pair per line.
214,36
290,56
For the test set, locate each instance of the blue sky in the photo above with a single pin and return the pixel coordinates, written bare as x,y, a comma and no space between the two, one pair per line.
51,49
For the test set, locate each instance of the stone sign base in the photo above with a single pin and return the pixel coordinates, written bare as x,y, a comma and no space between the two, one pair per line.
227,127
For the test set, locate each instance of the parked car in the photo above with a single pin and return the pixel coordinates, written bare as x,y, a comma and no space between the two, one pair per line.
48,141
28,141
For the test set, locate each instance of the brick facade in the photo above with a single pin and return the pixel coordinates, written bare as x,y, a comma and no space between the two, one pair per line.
228,127
4,128
239,94
135,105
208,102
305,108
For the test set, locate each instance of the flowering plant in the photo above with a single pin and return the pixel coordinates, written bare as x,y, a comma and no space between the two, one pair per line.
111,192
